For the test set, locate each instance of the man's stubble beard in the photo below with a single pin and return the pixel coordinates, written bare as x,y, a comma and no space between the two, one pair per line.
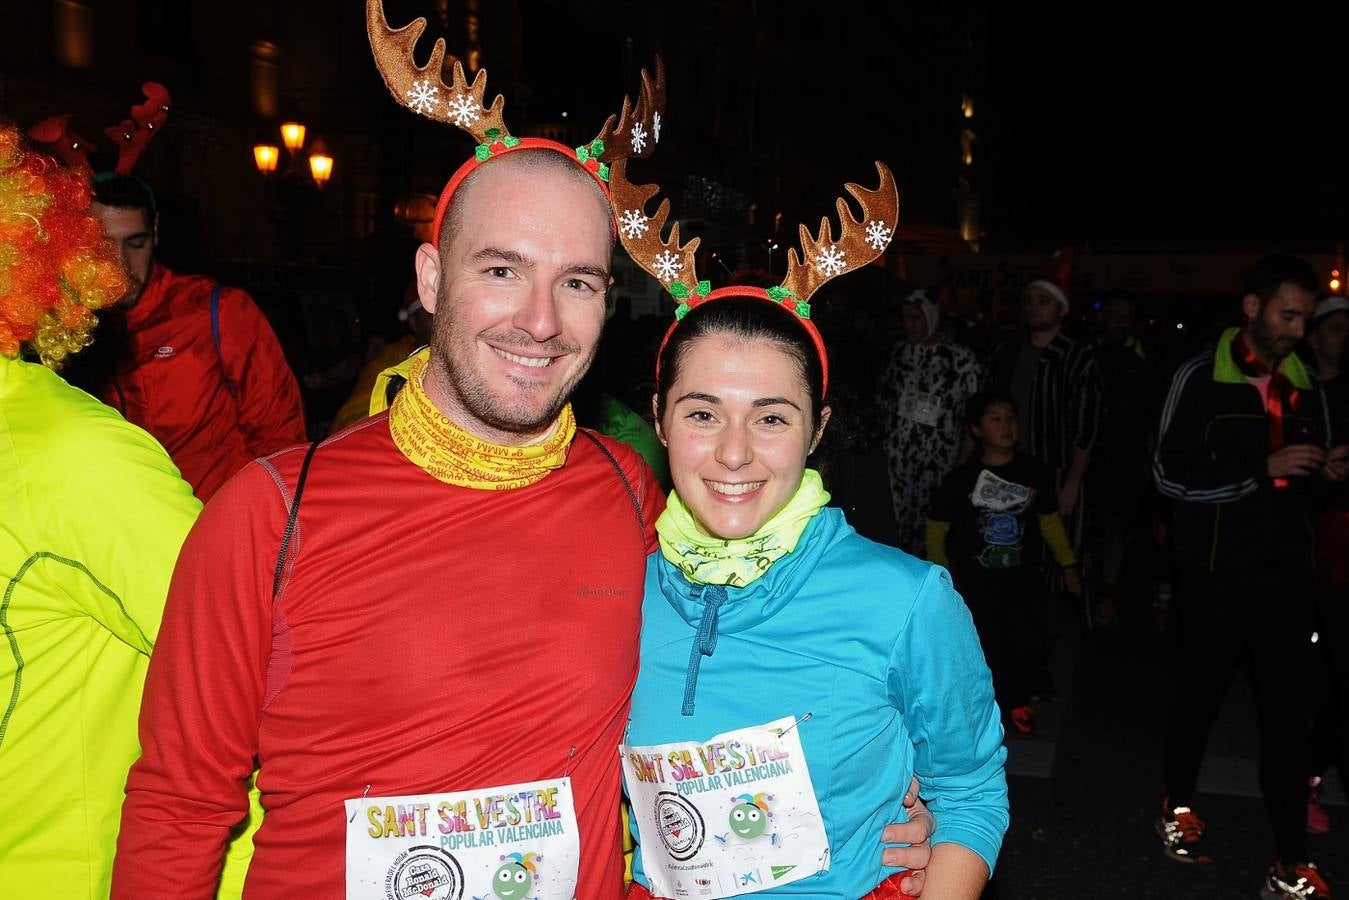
473,396
1266,343
133,295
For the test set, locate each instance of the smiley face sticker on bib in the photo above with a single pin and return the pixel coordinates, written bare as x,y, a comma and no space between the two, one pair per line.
731,815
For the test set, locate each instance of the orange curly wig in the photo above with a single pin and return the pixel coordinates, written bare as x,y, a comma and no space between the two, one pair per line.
56,268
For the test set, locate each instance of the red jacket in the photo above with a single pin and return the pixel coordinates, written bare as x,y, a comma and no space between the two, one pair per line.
213,410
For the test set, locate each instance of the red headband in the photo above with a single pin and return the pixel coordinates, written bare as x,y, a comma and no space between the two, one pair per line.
499,149
772,295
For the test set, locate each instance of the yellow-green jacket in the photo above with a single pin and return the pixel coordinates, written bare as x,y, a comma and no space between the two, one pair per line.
92,514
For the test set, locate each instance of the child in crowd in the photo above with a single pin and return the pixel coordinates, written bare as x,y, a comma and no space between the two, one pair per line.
978,528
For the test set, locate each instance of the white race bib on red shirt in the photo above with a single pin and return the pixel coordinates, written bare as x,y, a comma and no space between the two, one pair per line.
503,843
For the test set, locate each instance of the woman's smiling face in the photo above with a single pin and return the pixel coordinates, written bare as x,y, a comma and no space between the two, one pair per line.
739,426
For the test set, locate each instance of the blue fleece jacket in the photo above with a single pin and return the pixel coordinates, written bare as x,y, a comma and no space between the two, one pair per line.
880,650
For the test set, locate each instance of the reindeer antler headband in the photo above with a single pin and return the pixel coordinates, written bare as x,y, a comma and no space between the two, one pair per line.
822,258
634,132
131,136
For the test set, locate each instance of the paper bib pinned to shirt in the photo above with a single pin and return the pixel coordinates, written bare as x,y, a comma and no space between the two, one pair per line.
504,843
920,406
728,816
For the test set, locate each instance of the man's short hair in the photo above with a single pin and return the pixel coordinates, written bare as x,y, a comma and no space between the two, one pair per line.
1274,271
123,192
530,160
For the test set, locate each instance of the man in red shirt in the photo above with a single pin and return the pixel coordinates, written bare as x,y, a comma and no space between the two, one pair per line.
198,366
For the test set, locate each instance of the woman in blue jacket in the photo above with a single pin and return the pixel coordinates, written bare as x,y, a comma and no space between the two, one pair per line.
794,675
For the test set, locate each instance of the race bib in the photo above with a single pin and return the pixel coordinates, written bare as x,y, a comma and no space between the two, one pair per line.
919,406
996,494
504,843
728,816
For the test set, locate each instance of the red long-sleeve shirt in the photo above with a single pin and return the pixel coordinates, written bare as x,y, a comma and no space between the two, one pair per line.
213,410
426,638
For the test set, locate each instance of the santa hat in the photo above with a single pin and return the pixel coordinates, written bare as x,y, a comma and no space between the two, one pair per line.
1058,279
928,303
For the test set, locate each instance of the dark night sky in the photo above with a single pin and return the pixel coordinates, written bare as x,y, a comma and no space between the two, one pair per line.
1147,129
1123,126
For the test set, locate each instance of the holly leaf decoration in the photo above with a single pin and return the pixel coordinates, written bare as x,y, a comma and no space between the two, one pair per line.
703,289
682,310
679,290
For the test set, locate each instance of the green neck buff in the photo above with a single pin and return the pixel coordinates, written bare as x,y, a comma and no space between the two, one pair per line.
737,562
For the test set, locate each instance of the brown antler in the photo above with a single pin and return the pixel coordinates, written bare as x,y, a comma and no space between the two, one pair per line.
636,130
860,241
670,264
422,89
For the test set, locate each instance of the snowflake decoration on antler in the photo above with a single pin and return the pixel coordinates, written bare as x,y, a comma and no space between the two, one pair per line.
878,235
422,96
655,127
831,260
633,224
668,266
638,137
464,111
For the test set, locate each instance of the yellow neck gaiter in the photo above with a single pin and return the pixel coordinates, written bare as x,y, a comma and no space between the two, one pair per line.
737,562
450,454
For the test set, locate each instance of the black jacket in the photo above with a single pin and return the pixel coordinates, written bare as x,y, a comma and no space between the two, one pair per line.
1212,457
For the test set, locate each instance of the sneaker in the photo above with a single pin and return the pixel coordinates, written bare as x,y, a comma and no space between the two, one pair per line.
1182,834
1023,719
1317,820
1300,881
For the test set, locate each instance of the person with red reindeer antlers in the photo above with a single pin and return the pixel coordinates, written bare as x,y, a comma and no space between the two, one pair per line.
191,361
794,675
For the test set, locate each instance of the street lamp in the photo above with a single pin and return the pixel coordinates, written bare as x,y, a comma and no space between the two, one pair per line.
266,156
290,187
320,163
292,133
